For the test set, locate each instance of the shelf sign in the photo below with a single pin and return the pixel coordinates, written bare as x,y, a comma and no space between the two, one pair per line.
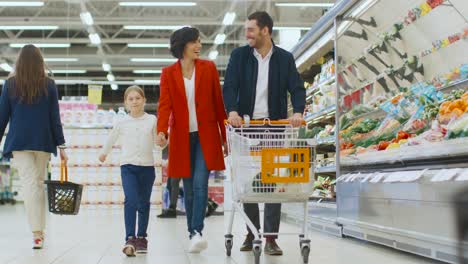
95,94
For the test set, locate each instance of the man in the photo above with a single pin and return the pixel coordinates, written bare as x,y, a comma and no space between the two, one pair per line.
258,78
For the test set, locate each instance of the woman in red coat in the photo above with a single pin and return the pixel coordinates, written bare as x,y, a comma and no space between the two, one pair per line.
191,113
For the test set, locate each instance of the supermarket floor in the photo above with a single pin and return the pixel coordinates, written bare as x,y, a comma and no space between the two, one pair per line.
96,237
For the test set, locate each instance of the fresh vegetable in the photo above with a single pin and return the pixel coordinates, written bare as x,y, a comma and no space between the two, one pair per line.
383,145
402,135
365,126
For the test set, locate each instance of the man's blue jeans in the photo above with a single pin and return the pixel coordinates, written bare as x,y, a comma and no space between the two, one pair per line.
196,187
137,182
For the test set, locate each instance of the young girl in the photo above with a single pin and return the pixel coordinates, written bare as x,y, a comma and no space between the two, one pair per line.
137,136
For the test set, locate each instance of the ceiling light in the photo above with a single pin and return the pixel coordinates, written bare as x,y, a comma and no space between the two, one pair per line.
60,59
86,18
291,28
324,5
229,18
21,3
114,86
71,81
110,77
152,60
69,71
157,4
42,45
147,45
6,67
146,71
94,38
213,54
219,39
153,82
144,27
106,67
28,27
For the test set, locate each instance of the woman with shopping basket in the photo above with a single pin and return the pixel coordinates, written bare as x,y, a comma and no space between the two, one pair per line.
29,102
191,113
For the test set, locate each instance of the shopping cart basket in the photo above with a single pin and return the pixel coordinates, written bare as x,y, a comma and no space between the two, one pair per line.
64,196
269,164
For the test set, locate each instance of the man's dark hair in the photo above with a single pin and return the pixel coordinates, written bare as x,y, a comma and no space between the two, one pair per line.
180,38
263,20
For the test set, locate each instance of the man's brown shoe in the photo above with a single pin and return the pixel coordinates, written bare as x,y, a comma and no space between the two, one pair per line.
272,249
248,243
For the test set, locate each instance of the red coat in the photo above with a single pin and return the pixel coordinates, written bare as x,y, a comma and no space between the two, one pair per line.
173,116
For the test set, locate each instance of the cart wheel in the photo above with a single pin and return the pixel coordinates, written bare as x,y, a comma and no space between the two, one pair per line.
228,243
257,250
305,251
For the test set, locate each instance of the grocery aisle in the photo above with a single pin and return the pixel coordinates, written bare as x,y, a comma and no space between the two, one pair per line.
96,237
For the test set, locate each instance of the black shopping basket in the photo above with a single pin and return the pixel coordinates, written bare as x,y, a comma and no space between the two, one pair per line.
64,196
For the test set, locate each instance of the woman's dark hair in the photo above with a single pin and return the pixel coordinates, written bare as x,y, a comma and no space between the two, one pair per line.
180,38
263,20
30,78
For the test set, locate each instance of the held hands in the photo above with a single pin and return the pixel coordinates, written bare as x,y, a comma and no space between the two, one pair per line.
234,119
296,120
161,140
102,157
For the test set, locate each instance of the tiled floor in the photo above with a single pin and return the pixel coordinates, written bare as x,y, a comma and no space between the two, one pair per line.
97,236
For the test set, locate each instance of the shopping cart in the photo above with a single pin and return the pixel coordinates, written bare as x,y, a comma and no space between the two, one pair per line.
269,164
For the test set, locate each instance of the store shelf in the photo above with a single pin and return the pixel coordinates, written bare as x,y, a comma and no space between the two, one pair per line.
329,203
325,114
87,127
449,153
326,169
89,147
460,84
96,165
313,90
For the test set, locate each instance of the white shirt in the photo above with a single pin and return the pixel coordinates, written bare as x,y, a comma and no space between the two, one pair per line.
261,96
137,137
190,94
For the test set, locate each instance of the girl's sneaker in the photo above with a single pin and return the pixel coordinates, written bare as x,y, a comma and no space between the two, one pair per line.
38,241
141,245
130,247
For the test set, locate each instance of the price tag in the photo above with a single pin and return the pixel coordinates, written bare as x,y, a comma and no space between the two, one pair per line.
378,177
445,175
463,176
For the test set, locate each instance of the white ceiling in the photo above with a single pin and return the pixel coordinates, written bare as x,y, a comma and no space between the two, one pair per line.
110,19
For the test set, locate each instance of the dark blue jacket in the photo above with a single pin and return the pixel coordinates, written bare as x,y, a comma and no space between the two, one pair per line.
240,83
34,126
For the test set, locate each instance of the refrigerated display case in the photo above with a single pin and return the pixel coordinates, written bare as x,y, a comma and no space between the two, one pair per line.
315,61
402,69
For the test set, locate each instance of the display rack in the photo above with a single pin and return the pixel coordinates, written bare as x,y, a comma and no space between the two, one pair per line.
401,197
404,157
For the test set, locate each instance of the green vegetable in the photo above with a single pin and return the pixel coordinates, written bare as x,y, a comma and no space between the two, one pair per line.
454,95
